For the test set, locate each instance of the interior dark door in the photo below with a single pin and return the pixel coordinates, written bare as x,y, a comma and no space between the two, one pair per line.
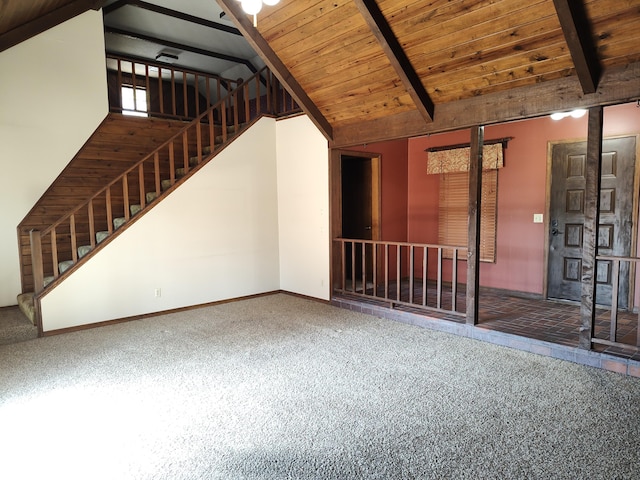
356,206
566,218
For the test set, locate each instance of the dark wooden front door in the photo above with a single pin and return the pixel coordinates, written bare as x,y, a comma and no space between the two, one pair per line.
566,218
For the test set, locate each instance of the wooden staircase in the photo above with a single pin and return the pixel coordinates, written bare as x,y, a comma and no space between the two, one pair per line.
144,166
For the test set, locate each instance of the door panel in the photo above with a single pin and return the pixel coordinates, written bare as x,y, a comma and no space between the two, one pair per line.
566,213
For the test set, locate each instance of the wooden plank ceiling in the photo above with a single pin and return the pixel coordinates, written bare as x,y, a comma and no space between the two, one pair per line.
521,58
367,70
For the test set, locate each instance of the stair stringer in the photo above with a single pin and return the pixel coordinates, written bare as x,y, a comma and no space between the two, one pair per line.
213,238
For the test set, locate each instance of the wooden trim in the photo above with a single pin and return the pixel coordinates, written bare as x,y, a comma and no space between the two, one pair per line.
590,233
547,206
634,229
47,21
376,188
475,203
397,57
78,328
335,217
579,38
36,260
376,197
262,47
618,85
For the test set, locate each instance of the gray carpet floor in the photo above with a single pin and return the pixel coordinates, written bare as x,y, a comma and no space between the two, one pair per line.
15,327
280,387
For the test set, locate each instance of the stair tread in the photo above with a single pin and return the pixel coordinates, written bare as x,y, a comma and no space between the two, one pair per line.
101,236
83,250
27,306
118,222
65,265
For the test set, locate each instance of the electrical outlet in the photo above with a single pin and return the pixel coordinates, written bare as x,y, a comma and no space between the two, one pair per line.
537,218
158,292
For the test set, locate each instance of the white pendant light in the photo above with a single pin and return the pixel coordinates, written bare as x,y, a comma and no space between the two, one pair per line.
251,7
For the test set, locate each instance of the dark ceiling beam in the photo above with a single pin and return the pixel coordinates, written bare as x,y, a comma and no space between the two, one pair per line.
181,46
618,85
262,48
171,13
577,33
47,21
395,53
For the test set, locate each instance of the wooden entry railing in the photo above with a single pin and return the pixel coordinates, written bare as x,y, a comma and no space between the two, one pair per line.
615,282
171,163
424,276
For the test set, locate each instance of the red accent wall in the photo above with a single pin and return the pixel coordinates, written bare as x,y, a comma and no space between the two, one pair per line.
521,191
410,196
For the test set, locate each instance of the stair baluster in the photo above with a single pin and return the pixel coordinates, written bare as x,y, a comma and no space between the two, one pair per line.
205,135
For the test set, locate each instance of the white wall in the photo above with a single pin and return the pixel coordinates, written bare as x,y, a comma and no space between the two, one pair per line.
53,95
214,238
303,207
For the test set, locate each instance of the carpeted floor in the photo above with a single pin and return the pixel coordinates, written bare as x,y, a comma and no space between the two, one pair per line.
15,327
280,387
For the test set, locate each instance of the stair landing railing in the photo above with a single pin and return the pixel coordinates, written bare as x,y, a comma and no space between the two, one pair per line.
163,90
58,248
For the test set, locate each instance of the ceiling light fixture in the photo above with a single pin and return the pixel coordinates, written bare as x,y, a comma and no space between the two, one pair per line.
167,57
580,112
253,7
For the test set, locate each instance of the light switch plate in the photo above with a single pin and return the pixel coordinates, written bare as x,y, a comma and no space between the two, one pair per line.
537,218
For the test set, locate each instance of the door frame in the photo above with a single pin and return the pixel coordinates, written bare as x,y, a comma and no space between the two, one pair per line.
635,213
335,193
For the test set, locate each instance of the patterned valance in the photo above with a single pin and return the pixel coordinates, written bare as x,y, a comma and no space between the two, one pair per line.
453,160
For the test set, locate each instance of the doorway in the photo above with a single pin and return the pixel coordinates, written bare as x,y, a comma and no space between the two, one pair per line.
616,231
359,206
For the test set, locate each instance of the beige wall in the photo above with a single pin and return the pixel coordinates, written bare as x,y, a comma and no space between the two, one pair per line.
303,207
253,220
214,238
53,95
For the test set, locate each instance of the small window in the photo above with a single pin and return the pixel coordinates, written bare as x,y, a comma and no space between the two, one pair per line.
453,212
134,105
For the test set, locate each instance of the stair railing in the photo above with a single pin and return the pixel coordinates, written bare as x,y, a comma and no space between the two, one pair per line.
57,248
167,91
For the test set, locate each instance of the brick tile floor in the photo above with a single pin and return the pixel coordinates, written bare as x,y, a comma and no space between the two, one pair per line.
552,321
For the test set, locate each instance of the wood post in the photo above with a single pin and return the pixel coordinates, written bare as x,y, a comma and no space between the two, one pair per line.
473,240
36,260
590,234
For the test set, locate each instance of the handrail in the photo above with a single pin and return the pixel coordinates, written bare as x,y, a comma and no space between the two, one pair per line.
399,273
184,95
130,193
615,282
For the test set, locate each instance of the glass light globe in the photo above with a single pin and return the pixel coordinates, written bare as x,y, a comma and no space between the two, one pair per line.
557,116
251,7
271,3
578,113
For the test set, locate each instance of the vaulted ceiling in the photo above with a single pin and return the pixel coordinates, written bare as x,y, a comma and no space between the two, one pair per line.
394,68
367,70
